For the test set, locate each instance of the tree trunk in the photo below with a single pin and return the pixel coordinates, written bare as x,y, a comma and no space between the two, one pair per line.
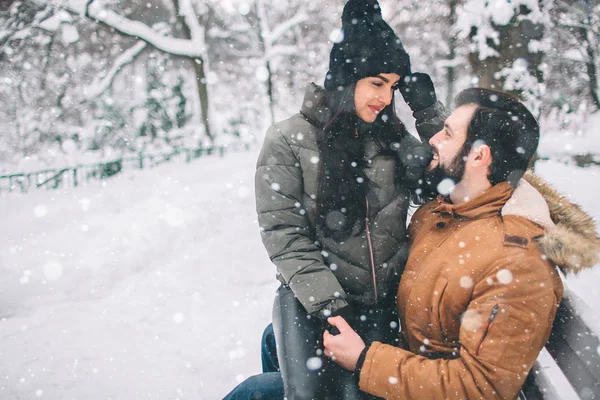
592,71
452,44
203,95
263,46
200,76
514,40
270,92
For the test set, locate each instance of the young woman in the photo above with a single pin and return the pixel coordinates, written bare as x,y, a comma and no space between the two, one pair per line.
333,184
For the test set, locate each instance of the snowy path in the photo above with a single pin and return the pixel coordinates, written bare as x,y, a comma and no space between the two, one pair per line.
155,286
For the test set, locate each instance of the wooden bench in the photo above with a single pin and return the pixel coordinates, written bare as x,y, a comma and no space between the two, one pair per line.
576,351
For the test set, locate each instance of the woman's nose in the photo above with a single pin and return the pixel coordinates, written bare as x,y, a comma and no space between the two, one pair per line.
386,98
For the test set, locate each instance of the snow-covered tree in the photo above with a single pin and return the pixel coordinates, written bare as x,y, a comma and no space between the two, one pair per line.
574,57
506,45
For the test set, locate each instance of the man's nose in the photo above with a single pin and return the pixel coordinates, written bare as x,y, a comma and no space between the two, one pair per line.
434,139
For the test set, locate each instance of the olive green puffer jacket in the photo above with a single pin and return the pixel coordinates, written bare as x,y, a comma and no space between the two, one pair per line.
325,274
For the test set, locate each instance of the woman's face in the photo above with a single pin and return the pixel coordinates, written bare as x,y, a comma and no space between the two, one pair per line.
373,94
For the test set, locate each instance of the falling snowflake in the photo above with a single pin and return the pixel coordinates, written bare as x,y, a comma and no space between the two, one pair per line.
262,73
337,36
174,216
178,318
243,192
40,211
53,270
314,363
85,204
466,282
471,320
446,187
504,276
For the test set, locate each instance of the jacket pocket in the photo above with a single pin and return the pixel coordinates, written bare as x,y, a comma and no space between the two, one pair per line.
508,339
487,326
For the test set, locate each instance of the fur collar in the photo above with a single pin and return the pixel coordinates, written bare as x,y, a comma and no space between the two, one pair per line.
572,241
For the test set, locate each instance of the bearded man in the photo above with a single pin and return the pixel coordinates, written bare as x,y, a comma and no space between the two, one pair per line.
478,297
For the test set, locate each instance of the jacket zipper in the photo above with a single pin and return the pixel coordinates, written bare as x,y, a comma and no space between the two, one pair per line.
487,327
368,232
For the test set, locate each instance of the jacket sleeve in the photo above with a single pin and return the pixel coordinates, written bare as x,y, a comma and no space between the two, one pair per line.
286,231
430,120
502,332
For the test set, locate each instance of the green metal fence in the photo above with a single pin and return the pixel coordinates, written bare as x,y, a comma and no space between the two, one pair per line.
57,178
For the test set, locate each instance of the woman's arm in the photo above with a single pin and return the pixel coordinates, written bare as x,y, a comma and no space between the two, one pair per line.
419,93
286,231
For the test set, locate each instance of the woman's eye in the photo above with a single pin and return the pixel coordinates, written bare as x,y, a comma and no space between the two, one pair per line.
378,84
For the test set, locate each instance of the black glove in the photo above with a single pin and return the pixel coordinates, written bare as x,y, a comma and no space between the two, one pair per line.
345,312
418,91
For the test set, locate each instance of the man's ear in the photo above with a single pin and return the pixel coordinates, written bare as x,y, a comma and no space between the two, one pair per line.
482,155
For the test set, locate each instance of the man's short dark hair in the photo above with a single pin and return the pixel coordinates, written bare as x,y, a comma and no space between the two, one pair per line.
503,123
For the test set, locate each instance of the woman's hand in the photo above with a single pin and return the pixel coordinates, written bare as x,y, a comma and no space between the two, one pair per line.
418,91
345,347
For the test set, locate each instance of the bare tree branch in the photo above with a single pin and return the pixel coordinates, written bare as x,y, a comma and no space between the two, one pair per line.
192,48
275,34
101,85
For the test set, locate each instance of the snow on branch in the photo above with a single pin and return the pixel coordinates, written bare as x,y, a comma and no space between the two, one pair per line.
284,27
14,31
99,86
281,51
186,10
193,48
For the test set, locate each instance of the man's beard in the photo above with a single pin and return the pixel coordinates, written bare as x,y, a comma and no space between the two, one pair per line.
433,177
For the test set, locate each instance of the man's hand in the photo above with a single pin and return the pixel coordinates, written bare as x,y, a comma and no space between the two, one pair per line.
345,347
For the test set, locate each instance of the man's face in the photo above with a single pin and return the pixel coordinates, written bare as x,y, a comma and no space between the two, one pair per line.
449,157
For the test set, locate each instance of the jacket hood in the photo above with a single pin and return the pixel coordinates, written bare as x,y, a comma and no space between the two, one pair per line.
572,242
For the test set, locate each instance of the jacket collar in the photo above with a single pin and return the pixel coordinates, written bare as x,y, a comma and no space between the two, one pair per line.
312,104
489,203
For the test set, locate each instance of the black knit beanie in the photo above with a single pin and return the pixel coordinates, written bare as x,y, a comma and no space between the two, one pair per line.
369,47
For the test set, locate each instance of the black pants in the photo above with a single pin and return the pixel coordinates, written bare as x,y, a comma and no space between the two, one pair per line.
307,373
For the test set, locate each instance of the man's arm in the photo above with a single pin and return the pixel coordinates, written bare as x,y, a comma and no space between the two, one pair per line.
502,332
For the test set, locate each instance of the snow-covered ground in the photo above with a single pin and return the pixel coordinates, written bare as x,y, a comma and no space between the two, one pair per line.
154,285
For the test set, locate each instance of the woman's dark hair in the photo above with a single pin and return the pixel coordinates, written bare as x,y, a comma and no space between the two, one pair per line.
341,137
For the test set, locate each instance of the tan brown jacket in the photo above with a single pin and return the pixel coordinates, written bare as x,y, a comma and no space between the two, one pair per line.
477,299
